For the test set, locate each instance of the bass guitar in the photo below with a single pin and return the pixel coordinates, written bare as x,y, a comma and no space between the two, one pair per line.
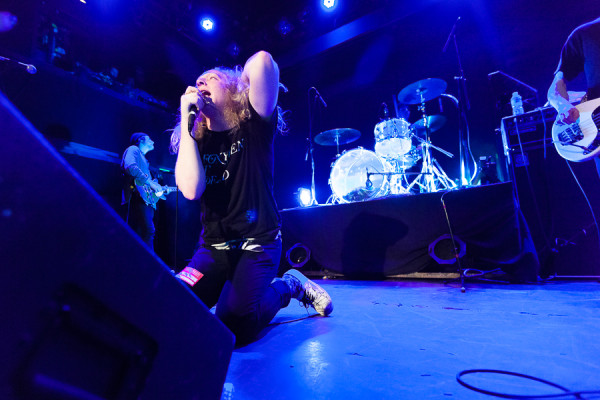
152,197
579,141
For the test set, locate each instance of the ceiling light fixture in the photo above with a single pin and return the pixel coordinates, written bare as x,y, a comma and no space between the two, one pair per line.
207,24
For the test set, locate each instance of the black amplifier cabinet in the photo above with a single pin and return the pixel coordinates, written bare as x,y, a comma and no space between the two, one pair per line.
530,130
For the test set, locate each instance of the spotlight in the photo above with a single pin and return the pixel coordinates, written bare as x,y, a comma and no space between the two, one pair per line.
298,255
304,197
443,252
329,4
207,24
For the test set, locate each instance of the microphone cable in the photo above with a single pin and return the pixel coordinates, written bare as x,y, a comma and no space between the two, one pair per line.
566,392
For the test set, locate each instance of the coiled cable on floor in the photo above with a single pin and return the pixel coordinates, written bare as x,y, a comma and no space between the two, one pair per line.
566,392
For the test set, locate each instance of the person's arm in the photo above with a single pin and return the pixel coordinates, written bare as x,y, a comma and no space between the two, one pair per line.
262,74
130,165
137,174
189,171
131,161
559,99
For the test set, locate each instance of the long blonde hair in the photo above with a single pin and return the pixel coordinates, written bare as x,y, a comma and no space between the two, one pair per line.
239,112
239,103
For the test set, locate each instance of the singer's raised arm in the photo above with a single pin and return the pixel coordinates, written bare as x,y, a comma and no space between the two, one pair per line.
262,74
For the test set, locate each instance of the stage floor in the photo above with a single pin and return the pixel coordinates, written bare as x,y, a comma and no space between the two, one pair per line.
409,339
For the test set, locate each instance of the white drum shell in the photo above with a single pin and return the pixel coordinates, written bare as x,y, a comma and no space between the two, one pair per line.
392,138
348,177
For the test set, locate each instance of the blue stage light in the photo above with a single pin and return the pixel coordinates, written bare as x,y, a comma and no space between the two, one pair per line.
329,4
304,197
207,24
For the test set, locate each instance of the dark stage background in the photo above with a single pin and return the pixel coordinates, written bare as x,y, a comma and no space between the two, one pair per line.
357,60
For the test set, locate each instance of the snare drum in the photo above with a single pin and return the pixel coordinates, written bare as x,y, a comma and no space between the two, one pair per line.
392,138
348,178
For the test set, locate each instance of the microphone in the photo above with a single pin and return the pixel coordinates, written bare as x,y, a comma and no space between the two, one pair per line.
318,95
30,68
193,114
450,35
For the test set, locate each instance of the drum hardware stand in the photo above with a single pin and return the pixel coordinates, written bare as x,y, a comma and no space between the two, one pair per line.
313,198
333,199
432,177
309,151
399,185
369,184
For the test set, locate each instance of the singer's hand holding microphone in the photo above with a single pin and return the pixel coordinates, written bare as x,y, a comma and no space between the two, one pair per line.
191,103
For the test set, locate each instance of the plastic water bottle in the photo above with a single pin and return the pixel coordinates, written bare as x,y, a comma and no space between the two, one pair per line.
516,102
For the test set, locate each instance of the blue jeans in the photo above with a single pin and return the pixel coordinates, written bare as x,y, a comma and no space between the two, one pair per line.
242,285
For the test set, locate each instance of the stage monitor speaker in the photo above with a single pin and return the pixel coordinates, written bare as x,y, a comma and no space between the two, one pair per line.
88,311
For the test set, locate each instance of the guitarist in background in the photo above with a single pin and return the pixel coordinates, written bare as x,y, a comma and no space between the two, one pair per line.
580,53
139,187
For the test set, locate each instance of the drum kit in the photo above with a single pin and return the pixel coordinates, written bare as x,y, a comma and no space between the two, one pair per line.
360,174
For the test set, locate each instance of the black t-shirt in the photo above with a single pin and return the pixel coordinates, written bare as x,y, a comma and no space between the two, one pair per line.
238,202
581,53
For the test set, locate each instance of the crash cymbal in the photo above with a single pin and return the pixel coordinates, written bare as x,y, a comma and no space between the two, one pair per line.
422,91
336,137
435,122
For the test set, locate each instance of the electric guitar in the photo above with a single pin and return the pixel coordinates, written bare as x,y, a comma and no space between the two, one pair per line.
152,197
579,141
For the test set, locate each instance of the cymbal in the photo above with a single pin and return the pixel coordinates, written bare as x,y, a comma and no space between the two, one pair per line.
334,137
422,91
435,122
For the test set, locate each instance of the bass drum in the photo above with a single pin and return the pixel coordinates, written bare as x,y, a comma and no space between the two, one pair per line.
348,177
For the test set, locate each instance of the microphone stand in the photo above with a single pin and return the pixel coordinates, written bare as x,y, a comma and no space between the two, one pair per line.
309,151
463,106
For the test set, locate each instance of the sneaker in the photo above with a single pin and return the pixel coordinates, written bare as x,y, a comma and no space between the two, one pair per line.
308,292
